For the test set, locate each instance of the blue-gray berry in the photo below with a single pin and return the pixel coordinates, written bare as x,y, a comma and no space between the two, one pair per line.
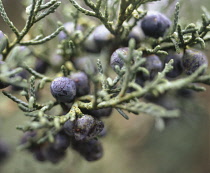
61,141
104,112
102,35
41,66
63,89
82,83
24,75
91,150
70,29
98,39
53,155
68,127
115,58
153,65
155,24
177,65
192,60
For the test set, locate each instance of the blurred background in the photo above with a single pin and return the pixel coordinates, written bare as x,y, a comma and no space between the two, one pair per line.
130,146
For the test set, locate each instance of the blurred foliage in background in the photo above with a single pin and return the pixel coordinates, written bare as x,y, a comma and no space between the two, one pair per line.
130,146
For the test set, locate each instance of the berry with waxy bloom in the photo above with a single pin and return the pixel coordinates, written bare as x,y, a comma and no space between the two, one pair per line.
91,150
63,89
177,64
155,24
116,60
82,83
192,60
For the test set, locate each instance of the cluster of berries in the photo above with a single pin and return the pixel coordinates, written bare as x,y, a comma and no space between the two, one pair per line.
80,135
188,62
155,25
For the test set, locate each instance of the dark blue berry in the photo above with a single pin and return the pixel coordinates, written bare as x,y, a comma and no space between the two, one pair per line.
24,75
61,142
99,38
177,65
68,128
99,113
155,25
115,58
53,155
41,66
39,155
28,137
91,150
192,60
153,65
136,34
82,83
140,78
102,35
186,93
63,89
3,85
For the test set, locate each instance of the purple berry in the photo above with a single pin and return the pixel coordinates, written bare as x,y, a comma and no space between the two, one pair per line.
41,66
53,155
91,150
192,60
99,113
155,24
82,83
83,128
98,39
177,65
102,35
153,65
68,128
28,137
62,142
137,34
63,89
24,75
115,58
39,155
